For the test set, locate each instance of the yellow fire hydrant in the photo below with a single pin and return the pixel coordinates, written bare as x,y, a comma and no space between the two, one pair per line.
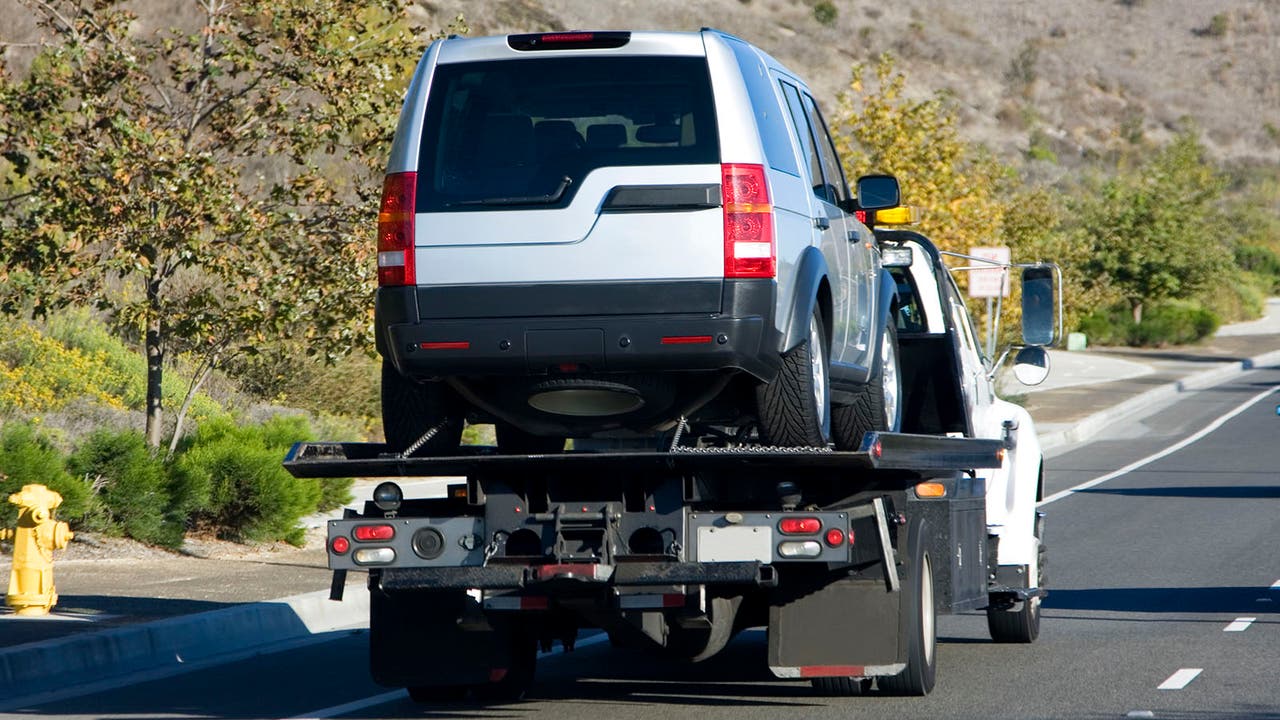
31,590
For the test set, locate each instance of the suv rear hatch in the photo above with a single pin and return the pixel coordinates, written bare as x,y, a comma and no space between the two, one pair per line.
577,167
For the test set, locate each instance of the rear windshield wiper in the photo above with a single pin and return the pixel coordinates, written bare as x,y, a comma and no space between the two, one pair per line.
555,196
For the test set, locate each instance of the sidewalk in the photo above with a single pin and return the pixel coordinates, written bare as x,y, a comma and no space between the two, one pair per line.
159,610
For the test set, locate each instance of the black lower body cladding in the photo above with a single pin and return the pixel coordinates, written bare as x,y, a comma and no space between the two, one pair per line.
572,359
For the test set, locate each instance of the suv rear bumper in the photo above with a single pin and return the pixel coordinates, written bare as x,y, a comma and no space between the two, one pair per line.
741,336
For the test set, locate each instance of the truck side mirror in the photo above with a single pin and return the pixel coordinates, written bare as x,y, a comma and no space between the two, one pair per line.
877,192
1038,306
1031,365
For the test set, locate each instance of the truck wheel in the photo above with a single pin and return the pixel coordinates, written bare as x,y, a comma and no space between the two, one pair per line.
922,637
841,686
795,409
877,406
514,441
515,683
1021,625
410,409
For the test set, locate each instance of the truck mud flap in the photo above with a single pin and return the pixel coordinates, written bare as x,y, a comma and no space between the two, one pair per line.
433,639
848,628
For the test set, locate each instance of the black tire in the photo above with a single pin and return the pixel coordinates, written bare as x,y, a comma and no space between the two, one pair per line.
514,441
515,683
1022,625
795,408
698,645
410,409
921,625
435,694
841,686
877,406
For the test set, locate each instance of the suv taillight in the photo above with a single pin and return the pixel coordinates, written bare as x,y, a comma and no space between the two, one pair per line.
749,250
395,229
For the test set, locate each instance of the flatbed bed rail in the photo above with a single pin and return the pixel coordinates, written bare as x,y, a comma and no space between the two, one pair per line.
881,451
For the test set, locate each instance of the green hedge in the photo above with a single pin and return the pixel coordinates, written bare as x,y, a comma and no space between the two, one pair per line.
227,479
29,458
1176,322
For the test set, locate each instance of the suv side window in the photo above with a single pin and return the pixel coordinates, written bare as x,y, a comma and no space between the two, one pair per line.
834,189
773,129
805,134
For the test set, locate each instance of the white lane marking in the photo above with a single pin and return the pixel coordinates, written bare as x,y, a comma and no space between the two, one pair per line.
1240,624
1140,714
394,695
353,706
1219,422
1180,679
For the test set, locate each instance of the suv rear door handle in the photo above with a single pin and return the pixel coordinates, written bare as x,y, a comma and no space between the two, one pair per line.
822,223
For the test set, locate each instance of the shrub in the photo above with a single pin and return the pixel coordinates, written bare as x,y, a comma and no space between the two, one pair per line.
825,13
1261,261
1175,322
133,488
29,458
250,495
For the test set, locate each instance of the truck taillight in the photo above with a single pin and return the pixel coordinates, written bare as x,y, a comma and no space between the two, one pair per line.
800,526
395,230
749,250
370,533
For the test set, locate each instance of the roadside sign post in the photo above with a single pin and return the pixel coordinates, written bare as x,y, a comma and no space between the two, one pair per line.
990,283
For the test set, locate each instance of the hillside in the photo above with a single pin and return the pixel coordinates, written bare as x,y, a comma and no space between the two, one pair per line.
1074,78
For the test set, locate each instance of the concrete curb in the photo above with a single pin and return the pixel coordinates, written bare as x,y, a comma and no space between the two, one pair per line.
169,644
1090,426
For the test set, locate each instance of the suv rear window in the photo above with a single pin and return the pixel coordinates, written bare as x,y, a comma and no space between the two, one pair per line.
499,134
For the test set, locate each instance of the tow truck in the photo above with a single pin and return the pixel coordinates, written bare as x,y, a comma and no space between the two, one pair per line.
845,557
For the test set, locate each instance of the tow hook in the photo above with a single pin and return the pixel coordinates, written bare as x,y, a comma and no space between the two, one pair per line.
1010,436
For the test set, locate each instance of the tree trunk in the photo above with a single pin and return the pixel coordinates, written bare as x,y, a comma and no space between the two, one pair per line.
155,365
1137,312
202,373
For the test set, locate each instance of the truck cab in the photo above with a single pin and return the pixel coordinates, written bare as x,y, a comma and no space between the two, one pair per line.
950,387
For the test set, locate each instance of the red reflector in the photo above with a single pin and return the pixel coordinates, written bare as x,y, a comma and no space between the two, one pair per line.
450,345
340,545
568,367
686,340
835,537
367,533
395,230
851,538
812,671
800,526
877,450
533,602
861,215
496,674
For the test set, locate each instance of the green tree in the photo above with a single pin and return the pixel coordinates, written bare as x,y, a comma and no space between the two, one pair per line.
957,185
1151,230
211,188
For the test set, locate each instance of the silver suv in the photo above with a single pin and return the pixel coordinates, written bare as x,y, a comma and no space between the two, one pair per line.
597,234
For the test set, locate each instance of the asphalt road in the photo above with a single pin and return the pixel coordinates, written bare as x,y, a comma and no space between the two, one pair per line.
1162,577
